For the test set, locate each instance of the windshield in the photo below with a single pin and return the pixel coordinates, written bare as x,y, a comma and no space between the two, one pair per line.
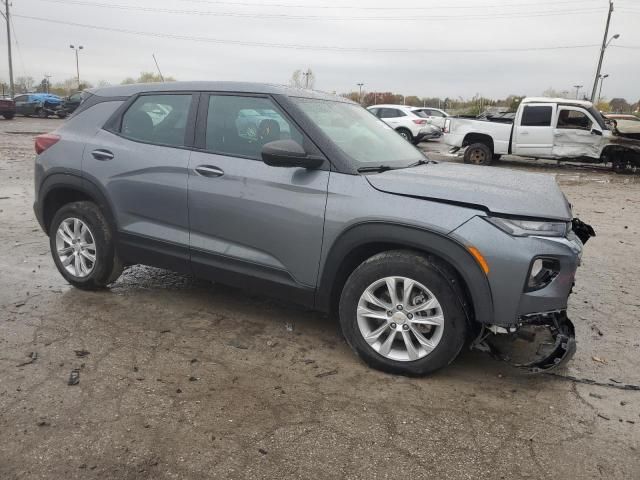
359,134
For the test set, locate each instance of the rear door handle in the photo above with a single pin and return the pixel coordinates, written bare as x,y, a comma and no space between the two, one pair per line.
209,171
101,154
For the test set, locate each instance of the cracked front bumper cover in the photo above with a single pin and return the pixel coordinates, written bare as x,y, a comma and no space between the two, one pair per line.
551,353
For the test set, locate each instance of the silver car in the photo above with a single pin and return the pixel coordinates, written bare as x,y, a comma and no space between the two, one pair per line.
324,205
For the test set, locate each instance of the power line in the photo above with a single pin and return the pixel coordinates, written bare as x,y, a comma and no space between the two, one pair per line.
286,16
304,47
395,8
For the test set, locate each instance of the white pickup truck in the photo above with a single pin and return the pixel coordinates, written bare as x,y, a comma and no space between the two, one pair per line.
552,128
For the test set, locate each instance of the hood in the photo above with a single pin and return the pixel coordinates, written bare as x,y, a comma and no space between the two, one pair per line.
498,190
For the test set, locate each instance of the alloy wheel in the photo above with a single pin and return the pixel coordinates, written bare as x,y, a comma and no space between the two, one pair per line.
75,247
400,319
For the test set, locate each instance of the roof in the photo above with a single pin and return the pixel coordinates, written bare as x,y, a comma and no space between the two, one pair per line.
238,87
564,101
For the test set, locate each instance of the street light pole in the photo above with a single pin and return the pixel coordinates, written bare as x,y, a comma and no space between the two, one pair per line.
6,17
604,47
79,47
360,85
602,77
577,87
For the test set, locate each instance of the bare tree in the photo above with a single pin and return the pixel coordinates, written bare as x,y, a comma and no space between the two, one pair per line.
303,79
24,84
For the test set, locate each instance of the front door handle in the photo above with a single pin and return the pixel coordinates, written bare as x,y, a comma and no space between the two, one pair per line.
101,154
209,171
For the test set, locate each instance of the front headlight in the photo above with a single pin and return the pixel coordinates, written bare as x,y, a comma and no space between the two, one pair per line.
526,228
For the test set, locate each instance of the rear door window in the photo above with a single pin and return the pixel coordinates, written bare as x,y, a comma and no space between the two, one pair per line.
536,116
159,119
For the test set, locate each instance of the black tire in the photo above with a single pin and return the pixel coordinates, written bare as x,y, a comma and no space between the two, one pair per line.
9,116
406,134
42,113
478,154
496,157
417,267
108,266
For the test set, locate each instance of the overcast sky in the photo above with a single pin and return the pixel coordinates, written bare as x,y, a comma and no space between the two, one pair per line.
439,28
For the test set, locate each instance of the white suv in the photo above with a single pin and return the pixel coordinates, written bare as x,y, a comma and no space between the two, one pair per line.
404,120
435,116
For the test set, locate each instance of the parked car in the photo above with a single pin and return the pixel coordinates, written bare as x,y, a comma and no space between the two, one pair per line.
553,128
339,214
7,108
69,105
413,127
37,104
435,116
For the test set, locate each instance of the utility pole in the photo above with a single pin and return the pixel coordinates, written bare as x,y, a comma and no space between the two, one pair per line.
360,85
605,43
306,77
577,87
7,19
79,47
158,67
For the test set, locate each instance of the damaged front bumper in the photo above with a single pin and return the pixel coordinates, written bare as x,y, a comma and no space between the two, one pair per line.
539,343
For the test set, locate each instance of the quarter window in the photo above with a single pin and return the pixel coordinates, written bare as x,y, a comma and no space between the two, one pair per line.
160,119
241,126
536,116
574,119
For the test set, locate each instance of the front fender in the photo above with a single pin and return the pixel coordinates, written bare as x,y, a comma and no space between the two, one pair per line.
411,237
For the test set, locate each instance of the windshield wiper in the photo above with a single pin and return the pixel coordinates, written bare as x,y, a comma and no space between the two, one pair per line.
421,162
377,168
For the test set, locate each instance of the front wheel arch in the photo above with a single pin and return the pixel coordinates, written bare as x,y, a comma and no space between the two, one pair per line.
361,241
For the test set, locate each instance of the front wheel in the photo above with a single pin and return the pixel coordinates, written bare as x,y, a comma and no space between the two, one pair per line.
9,116
82,246
399,314
478,154
42,113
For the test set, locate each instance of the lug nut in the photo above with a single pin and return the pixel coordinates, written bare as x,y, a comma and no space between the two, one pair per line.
393,325
399,307
389,313
410,316
405,327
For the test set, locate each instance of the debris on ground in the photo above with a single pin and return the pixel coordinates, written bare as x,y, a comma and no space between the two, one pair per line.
597,330
599,360
32,358
236,343
74,377
326,374
595,395
81,353
43,423
262,451
193,379
289,326
603,416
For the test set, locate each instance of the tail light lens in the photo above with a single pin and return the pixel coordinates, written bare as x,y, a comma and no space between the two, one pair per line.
447,124
419,121
46,140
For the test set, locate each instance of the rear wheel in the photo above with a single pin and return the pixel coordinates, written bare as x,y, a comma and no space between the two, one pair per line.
9,116
399,314
82,246
42,113
478,154
406,134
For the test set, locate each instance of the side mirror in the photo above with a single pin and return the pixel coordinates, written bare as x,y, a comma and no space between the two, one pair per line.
596,132
288,153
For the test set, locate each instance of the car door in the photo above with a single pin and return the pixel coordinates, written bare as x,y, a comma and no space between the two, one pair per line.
21,104
140,161
251,223
576,134
533,133
393,117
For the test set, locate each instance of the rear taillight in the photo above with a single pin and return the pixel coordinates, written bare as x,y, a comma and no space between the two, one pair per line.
45,140
447,125
419,121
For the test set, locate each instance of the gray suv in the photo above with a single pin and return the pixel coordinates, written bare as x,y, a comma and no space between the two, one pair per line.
311,198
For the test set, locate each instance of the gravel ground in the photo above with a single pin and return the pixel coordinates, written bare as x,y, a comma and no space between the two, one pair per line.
181,378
